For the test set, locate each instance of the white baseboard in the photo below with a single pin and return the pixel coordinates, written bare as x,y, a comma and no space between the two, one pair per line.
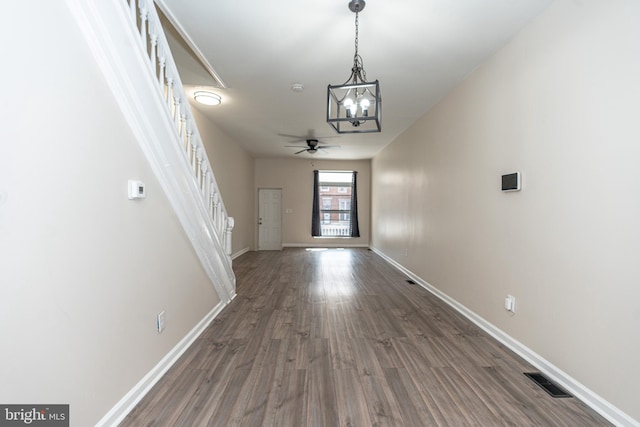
131,399
240,252
324,245
593,400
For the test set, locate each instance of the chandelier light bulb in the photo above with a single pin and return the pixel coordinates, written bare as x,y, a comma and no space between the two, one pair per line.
350,106
364,105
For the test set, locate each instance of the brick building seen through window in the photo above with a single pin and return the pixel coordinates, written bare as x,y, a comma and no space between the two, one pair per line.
335,204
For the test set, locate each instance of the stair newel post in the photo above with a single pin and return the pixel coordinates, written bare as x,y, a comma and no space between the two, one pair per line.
227,235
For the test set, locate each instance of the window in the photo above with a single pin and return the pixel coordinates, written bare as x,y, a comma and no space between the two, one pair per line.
335,213
345,208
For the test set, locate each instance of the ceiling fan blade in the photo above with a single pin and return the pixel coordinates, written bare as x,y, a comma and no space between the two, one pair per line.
301,151
293,146
328,146
301,138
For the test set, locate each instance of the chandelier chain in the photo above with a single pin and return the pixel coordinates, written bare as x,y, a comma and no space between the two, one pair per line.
358,66
356,43
356,101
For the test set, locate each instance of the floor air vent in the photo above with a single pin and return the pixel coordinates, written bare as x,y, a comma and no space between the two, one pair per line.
411,282
548,385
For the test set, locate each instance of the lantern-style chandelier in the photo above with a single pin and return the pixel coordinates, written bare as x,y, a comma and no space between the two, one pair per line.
355,105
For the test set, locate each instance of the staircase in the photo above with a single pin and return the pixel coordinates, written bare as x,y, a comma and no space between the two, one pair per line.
129,45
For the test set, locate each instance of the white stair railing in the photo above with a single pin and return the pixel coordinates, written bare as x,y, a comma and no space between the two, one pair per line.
145,16
129,44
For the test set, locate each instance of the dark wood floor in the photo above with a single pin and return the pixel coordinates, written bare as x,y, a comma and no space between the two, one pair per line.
338,338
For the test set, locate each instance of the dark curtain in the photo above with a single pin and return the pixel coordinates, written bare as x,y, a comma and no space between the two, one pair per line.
315,210
355,230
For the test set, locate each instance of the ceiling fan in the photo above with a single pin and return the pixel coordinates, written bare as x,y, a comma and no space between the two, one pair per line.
313,146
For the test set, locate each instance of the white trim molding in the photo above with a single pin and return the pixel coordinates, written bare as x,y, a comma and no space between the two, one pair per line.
580,391
186,38
324,245
240,252
135,395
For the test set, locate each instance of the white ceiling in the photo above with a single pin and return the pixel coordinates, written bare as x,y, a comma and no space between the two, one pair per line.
418,50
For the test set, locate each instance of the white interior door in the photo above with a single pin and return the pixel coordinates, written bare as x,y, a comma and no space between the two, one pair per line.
269,219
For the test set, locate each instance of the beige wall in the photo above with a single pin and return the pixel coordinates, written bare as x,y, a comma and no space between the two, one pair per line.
83,270
559,104
295,177
234,172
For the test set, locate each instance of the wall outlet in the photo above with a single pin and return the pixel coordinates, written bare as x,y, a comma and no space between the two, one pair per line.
161,321
510,303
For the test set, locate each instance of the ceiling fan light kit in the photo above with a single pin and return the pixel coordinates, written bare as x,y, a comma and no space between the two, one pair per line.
313,147
355,106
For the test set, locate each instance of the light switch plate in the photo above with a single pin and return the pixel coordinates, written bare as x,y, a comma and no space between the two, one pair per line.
161,321
510,303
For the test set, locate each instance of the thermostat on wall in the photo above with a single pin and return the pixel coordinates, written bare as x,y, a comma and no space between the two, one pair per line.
136,189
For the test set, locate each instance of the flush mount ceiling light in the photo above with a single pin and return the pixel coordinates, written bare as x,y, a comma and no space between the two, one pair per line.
207,98
355,105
